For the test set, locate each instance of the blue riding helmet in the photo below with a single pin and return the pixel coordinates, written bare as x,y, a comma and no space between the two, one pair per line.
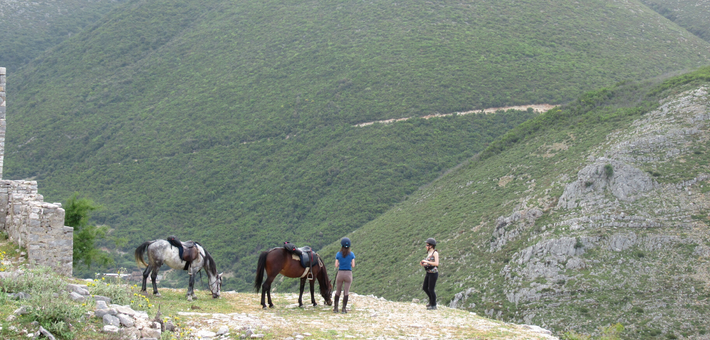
345,242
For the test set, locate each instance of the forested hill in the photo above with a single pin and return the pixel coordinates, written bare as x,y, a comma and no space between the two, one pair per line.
31,27
231,123
693,15
592,214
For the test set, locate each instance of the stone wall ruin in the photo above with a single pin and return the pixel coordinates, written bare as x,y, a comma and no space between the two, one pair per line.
29,221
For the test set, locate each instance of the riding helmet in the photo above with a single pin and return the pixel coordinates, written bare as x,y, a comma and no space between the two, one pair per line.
345,242
431,241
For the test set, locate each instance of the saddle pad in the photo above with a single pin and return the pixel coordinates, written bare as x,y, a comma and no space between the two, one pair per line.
295,257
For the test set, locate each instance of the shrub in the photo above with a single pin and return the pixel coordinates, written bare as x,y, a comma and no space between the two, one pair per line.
119,292
609,171
35,281
55,312
49,303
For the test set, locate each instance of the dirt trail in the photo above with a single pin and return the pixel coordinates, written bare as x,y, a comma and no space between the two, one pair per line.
536,107
370,317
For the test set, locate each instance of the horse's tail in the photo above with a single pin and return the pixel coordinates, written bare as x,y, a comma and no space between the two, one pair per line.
140,251
260,269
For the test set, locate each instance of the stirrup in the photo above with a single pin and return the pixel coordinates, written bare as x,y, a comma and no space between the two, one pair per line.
310,276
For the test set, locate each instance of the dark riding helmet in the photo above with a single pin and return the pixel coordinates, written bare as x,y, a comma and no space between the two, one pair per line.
431,241
345,242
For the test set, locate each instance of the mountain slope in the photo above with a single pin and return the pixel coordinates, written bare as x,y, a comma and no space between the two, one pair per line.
30,27
232,122
589,215
693,15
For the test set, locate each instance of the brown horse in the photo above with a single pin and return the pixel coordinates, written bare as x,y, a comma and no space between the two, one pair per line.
277,261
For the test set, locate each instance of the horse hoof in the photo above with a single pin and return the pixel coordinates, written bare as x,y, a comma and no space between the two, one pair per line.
271,306
189,298
263,307
157,294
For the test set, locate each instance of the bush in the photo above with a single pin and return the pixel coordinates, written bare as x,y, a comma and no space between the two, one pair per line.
119,292
609,171
49,303
35,281
611,332
55,312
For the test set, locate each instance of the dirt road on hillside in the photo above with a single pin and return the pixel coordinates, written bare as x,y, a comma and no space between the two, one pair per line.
536,107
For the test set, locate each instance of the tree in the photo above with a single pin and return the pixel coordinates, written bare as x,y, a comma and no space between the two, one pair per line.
85,235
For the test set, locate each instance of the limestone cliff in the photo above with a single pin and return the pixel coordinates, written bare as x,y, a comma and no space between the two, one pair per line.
627,240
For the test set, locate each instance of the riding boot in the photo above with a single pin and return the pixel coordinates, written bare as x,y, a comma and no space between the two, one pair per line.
345,303
337,297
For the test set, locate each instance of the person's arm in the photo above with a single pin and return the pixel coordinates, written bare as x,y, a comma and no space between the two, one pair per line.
352,264
337,263
434,263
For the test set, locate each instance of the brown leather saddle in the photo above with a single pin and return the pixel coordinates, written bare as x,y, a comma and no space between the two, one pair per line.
305,254
187,250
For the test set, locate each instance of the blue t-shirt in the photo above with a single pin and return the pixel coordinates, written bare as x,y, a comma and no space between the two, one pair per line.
345,262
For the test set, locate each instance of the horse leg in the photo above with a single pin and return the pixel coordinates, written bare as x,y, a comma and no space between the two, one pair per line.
266,289
194,296
313,297
263,296
300,295
146,272
153,277
191,287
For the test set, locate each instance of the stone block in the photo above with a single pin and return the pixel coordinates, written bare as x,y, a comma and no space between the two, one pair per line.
102,298
74,296
110,329
131,333
111,320
99,313
79,289
125,320
150,333
125,310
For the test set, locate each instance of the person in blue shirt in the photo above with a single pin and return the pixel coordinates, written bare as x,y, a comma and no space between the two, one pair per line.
345,262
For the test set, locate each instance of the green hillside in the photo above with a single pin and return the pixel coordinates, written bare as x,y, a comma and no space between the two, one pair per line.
593,214
693,15
31,27
232,122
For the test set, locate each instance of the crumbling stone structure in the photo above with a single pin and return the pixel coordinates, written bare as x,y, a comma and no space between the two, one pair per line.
28,220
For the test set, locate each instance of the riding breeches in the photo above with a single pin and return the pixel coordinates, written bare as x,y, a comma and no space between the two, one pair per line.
343,282
429,286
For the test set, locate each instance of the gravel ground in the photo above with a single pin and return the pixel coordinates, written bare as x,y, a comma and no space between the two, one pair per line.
369,317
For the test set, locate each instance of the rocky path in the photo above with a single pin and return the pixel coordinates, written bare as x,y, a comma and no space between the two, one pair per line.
369,318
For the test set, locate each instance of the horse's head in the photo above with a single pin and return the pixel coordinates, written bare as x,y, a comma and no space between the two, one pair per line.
327,296
216,285
326,288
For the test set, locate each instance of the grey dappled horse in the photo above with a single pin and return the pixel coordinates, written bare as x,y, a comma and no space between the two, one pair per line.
161,251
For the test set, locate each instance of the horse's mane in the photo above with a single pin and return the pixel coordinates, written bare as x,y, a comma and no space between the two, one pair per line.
211,265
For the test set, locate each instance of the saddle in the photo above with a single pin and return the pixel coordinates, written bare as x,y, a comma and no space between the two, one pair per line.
187,250
305,255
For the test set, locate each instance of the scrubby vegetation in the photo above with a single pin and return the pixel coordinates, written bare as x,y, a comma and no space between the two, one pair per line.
691,15
528,168
31,27
232,123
